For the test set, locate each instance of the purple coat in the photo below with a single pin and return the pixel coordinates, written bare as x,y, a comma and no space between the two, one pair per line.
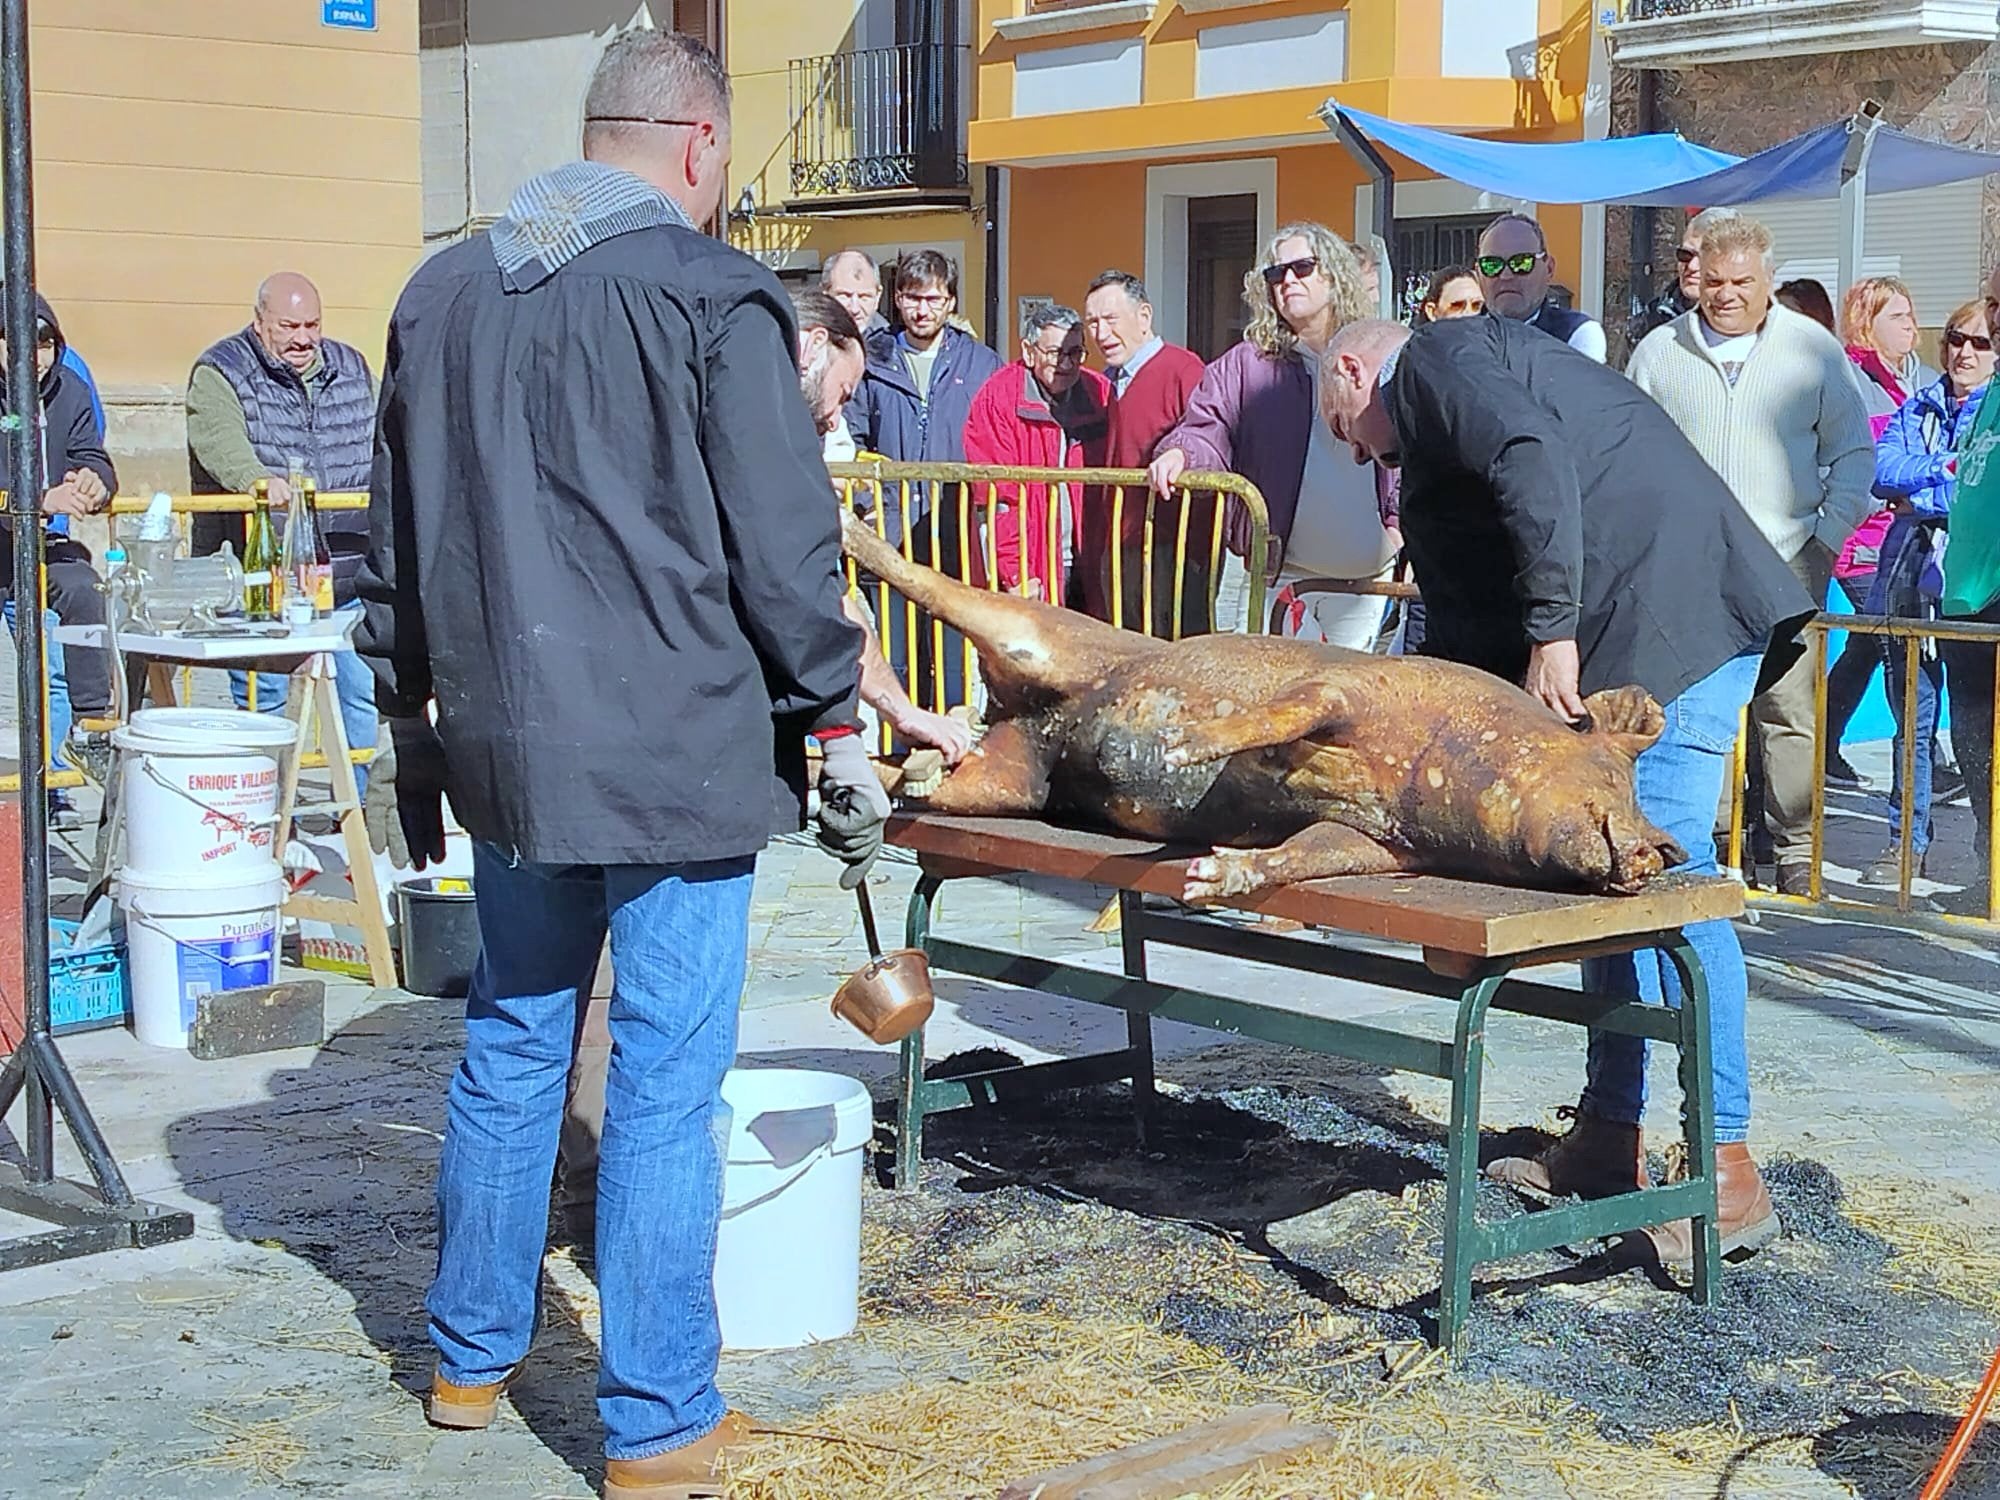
1252,415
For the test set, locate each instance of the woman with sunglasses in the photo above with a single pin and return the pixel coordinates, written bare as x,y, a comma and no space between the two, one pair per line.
1916,468
1454,292
1254,413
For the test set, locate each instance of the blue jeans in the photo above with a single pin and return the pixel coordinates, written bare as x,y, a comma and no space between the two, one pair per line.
1679,782
352,680
1930,688
61,714
679,941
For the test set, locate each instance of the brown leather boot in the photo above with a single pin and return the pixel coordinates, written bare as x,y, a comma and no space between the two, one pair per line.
1599,1158
688,1473
467,1407
1745,1215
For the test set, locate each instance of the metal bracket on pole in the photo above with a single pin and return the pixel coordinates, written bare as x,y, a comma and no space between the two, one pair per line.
82,1222
1854,189
1384,178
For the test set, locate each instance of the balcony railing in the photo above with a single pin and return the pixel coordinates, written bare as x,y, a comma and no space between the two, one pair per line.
1690,33
1650,10
883,121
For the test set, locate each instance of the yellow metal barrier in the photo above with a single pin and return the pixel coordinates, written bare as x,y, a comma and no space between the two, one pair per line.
183,505
1911,636
954,516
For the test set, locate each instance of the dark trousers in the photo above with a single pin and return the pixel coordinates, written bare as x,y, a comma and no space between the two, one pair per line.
1968,668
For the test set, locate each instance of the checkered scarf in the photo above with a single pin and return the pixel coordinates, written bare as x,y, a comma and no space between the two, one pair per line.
554,218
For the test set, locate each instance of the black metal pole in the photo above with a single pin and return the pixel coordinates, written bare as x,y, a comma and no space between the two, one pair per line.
23,422
1639,279
996,332
1376,165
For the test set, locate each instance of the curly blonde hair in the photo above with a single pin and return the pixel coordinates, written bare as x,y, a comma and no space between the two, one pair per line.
1269,332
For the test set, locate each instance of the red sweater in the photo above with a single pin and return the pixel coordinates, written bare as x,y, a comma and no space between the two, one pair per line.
1150,408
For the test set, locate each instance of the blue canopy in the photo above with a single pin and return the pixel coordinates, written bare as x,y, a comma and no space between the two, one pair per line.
1562,172
1666,171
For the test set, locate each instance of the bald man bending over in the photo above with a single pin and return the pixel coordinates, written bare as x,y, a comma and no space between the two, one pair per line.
269,392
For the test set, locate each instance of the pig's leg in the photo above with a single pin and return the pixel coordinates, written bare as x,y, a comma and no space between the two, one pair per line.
1290,715
1007,772
1315,853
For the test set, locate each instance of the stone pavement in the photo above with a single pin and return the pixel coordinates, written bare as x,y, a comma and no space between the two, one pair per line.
277,1353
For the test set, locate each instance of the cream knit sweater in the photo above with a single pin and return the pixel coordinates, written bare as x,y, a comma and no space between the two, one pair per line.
1790,439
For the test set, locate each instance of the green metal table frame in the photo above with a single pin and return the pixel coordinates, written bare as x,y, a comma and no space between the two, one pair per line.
1484,986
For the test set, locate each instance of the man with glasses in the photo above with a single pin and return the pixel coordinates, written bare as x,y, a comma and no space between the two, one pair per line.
1515,269
914,398
1044,411
1768,398
601,540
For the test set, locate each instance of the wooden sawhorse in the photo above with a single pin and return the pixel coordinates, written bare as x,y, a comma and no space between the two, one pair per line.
307,658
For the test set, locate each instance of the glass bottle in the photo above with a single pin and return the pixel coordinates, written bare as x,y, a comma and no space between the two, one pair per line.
263,568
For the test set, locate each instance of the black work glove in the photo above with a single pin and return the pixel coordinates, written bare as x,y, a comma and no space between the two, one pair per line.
412,782
852,808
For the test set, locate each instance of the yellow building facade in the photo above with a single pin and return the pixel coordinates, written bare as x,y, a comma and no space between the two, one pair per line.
850,133
1170,137
186,149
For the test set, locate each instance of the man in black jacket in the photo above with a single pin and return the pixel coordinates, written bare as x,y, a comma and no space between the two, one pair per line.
1568,537
79,481
602,542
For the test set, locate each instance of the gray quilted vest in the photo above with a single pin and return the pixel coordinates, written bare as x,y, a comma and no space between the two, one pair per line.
329,420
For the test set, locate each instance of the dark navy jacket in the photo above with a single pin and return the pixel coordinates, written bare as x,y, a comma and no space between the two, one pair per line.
887,417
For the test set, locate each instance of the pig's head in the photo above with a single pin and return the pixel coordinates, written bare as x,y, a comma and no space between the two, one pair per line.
1586,826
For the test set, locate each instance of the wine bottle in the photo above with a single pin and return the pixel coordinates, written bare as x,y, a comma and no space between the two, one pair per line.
263,568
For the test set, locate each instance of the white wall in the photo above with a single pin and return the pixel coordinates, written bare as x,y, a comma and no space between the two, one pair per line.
1095,75
1478,35
1248,58
1930,238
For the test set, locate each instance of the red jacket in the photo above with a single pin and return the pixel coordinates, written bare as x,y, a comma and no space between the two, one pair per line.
1011,422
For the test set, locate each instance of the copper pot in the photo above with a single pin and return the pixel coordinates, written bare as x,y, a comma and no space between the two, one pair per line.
888,999
892,996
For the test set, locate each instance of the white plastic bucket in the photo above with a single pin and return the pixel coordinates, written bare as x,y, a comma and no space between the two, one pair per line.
185,940
201,791
788,1257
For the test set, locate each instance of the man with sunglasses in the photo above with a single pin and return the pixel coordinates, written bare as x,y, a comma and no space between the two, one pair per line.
1044,411
601,542
1515,269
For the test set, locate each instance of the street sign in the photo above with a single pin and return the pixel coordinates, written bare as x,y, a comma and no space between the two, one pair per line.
349,15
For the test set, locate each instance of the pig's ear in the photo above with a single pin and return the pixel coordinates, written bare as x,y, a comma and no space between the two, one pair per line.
1627,717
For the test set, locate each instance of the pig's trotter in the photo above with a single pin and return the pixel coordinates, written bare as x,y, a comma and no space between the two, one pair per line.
1316,853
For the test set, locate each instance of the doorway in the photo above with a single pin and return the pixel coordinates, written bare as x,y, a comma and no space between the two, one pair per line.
1221,250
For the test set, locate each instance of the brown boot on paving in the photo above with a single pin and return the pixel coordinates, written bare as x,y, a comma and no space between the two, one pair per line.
1794,877
1599,1158
688,1473
1746,1218
466,1407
